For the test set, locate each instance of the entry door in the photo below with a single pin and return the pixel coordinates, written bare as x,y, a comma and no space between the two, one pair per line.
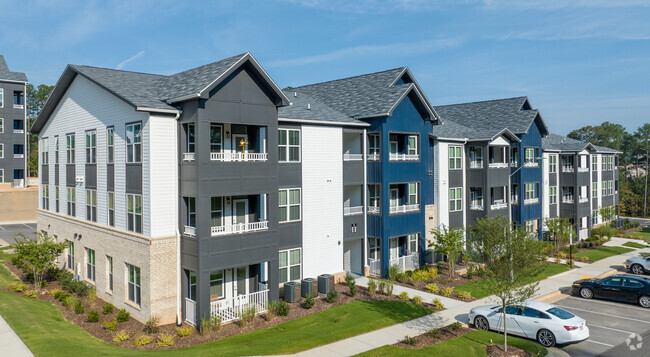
240,211
394,197
393,147
393,246
240,281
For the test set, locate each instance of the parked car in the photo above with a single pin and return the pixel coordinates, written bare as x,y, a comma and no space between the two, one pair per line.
546,323
638,265
620,287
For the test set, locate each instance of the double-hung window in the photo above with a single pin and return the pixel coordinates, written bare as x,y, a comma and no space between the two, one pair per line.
69,148
133,283
72,201
531,226
2,174
134,213
604,188
109,273
594,189
552,191
91,205
552,163
110,145
191,138
46,197
191,211
289,205
110,198
91,147
530,192
412,145
216,211
374,198
413,193
610,188
603,161
56,149
455,157
289,145
134,143
529,156
373,147
413,243
455,199
45,154
289,263
374,248
2,122
216,141
90,264
216,285
56,198
70,261
2,98
594,163
2,151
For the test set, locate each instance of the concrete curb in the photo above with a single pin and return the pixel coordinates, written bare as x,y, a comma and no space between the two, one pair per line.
560,291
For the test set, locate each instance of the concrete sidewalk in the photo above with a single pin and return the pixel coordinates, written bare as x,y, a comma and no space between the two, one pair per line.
10,343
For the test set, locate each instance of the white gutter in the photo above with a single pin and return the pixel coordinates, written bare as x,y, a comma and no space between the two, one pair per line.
155,110
179,300
309,121
364,256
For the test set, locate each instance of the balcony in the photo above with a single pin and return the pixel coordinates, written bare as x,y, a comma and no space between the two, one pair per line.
476,206
403,147
583,169
189,156
352,157
190,231
19,106
239,228
568,199
583,200
531,201
238,156
499,204
567,169
514,164
476,164
403,157
234,308
514,199
373,157
405,208
349,211
498,165
374,210
531,164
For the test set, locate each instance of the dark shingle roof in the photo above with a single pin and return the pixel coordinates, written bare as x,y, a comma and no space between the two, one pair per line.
5,73
562,143
491,115
305,107
604,149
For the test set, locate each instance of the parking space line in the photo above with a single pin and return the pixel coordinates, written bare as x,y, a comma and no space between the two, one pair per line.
2,228
600,313
28,226
609,328
627,306
600,343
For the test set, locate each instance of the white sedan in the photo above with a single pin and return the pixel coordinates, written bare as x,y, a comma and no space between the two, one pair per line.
638,265
546,323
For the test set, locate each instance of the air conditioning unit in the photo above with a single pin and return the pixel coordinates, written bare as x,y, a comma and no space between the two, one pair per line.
291,291
325,283
309,287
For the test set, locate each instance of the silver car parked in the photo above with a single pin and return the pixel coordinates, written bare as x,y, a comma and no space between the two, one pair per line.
638,265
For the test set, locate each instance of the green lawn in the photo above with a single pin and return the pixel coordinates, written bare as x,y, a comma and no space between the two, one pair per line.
601,253
470,345
634,245
478,287
641,235
43,329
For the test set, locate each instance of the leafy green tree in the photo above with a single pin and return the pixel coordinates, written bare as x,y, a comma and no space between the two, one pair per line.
643,135
512,259
607,213
450,242
607,134
38,254
36,98
560,229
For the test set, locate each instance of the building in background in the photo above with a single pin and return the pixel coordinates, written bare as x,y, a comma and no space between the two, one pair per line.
13,137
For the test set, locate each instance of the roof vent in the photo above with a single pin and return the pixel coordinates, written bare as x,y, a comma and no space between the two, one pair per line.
308,106
295,94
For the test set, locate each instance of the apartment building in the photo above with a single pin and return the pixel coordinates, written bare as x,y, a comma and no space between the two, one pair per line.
13,137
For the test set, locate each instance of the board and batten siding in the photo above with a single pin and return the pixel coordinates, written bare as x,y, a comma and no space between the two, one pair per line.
322,200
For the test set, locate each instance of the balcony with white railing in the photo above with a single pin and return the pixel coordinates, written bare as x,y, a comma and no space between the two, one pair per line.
189,156
374,210
403,157
476,164
531,201
239,156
498,165
531,164
234,308
499,204
405,208
583,169
19,131
567,169
349,211
239,228
189,230
352,157
583,200
375,267
568,199
373,157
476,206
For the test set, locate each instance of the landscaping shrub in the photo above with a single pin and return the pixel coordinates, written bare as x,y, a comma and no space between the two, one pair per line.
604,231
74,286
332,297
558,260
352,284
456,326
372,287
386,287
110,326
210,324
393,270
17,287
141,340
152,325
247,316
465,295
404,296
123,316
17,261
79,307
437,304
283,308
585,259
470,272
402,277
480,271
271,310
31,294
60,295
435,333
432,288
309,302
445,281
93,316
417,300
561,255
108,309
165,340
447,291
121,336
92,296
411,341
55,293
68,300
184,331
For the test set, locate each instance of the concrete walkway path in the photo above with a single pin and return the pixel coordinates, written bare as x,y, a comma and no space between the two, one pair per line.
10,343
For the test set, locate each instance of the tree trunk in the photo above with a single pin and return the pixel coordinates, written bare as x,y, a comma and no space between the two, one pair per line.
505,331
645,195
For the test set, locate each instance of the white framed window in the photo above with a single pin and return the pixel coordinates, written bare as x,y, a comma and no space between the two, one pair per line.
552,192
134,213
476,157
604,163
110,145
134,143
530,191
72,201
529,155
610,188
455,199
374,248
45,153
2,123
216,211
413,243
552,163
56,198
413,197
216,285
289,145
2,175
594,162
373,146
190,138
91,205
133,283
70,261
455,157
594,217
91,147
191,211
2,97
531,226
2,150
69,148
216,138
374,197
46,197
594,189
110,204
412,145
90,264
289,203
610,163
56,149
289,263
109,273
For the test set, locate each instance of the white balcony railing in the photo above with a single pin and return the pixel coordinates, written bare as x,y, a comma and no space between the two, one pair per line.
19,106
189,156
583,169
190,311
238,156
567,169
348,211
498,165
233,308
373,157
190,231
514,164
514,200
239,228
476,207
405,208
583,199
375,267
374,210
19,131
498,205
531,201
531,164
568,200
407,262
475,164
19,156
352,157
403,157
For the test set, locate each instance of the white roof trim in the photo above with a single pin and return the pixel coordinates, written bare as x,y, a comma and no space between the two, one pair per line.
155,110
310,121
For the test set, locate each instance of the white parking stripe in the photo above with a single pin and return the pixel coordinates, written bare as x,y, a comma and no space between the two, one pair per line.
609,328
2,228
28,226
600,343
600,313
627,306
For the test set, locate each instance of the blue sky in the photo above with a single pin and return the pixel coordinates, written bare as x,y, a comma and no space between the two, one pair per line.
580,62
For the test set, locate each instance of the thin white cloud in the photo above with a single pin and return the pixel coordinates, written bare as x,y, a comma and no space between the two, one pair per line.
378,6
123,63
561,4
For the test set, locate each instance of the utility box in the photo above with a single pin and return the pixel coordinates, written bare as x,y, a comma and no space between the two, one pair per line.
309,287
291,291
325,283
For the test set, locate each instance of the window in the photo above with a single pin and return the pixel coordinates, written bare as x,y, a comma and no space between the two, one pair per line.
476,157
413,194
134,143
19,149
110,198
191,211
69,145
289,265
514,157
91,147
19,126
91,205
413,243
373,146
2,98
191,293
19,99
612,282
70,254
374,248
216,212
594,189
134,213
2,121
455,157
72,201
45,152
530,191
455,199
56,149
476,198
594,163
109,267
289,205
56,198
216,143
19,174
90,264
412,145
46,197
110,145
2,151
604,188
552,191
562,314
610,188
374,196
191,146
216,285
531,226
594,217
2,175
289,145
529,156
133,283
552,163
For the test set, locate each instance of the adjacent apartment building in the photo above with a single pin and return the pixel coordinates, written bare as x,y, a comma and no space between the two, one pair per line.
13,137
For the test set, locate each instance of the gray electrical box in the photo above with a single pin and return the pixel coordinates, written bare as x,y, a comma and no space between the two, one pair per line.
291,291
325,283
309,287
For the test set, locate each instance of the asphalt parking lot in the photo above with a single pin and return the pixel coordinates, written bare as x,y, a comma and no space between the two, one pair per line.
610,325
7,232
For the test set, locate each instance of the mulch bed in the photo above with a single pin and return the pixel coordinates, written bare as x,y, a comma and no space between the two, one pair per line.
444,280
429,339
134,327
497,351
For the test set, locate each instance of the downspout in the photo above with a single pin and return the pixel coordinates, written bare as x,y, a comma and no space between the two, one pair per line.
179,300
364,251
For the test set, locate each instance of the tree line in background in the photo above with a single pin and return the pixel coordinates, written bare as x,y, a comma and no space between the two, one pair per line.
635,147
36,98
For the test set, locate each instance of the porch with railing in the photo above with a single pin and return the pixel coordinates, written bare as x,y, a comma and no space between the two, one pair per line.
407,262
375,267
405,208
239,228
352,157
498,204
349,211
374,210
233,308
403,157
238,156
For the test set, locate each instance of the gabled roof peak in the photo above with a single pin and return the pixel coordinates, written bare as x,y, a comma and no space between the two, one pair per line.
8,75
